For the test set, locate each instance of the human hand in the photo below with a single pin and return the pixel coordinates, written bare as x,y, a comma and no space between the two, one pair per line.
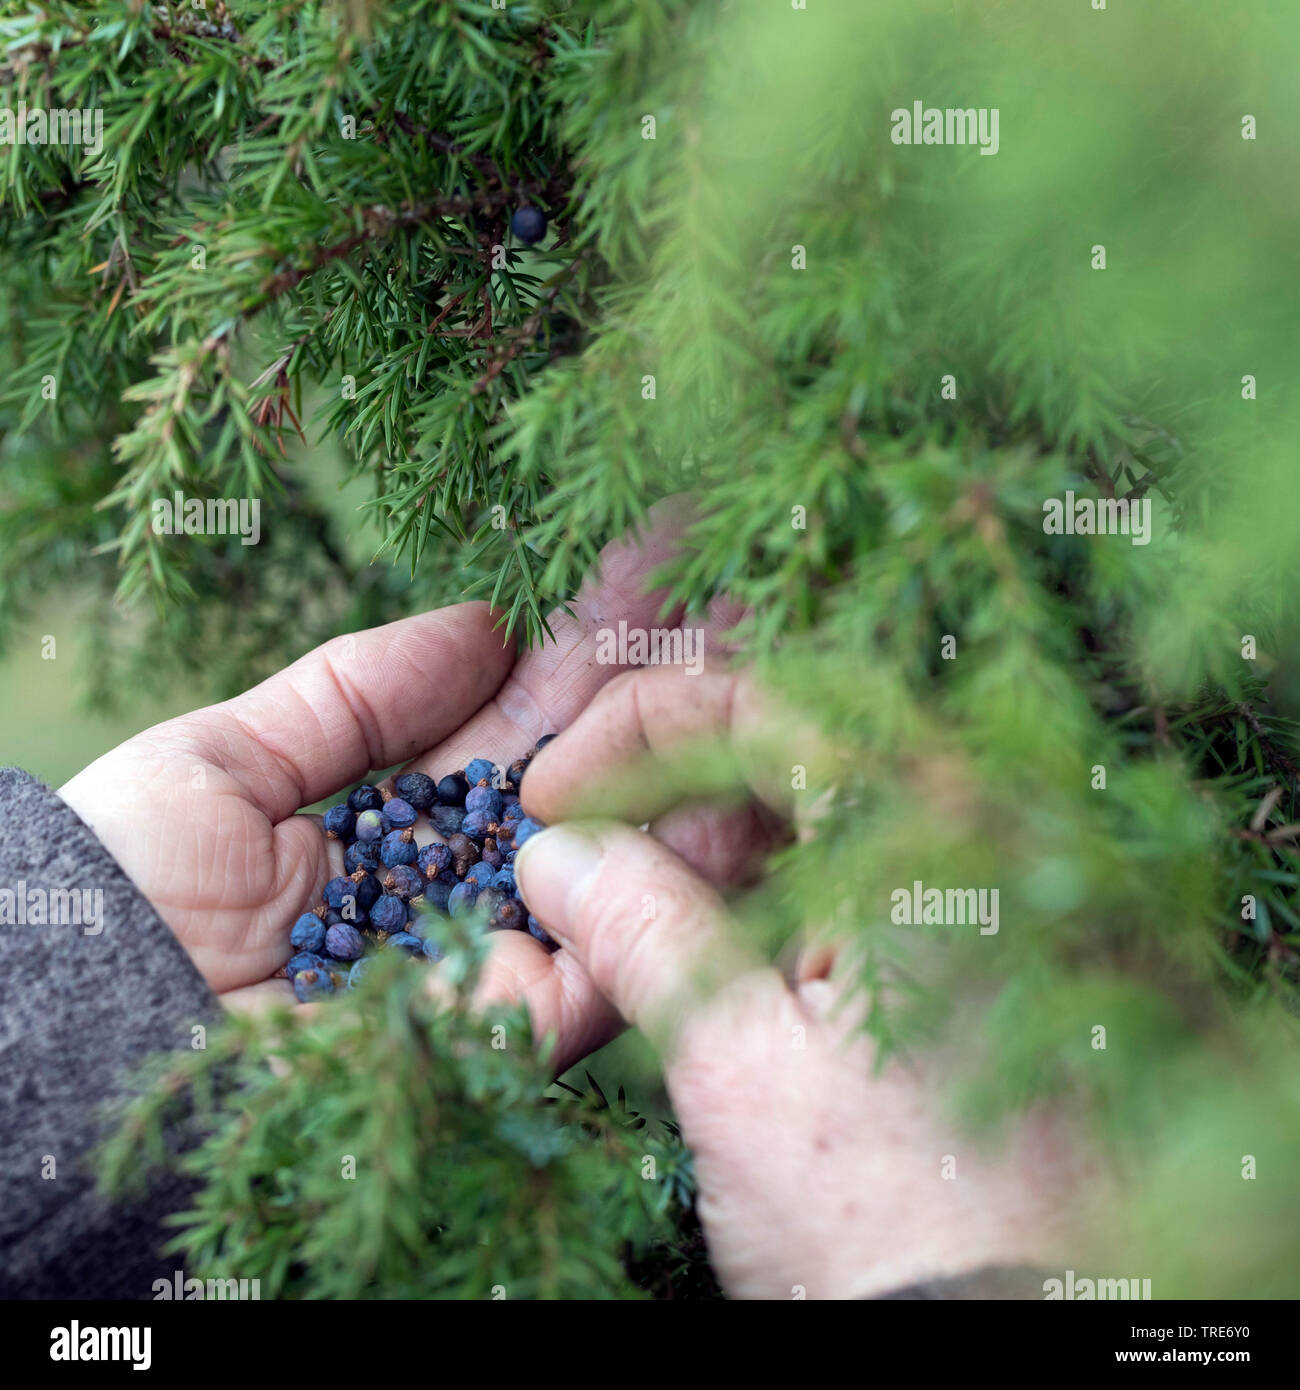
816,1173
202,812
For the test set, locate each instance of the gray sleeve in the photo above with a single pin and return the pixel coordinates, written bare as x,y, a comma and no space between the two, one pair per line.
86,992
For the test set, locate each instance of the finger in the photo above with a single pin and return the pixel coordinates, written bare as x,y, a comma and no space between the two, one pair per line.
641,732
725,846
358,702
552,683
650,933
563,1003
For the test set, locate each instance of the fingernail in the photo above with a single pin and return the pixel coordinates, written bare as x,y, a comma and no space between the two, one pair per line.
550,869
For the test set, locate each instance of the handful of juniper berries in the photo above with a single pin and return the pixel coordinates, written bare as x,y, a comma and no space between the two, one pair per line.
396,890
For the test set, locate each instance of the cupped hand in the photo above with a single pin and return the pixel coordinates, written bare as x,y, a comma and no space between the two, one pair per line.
202,812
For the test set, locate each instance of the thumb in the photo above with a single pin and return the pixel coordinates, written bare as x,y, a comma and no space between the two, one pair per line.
651,933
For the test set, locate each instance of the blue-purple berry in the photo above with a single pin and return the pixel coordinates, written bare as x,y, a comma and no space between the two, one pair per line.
416,787
304,960
525,830
398,814
479,770
367,888
406,941
307,933
539,932
437,893
528,224
361,854
365,798
452,789
398,847
338,891
357,973
432,950
389,914
338,822
404,881
479,873
313,983
432,860
447,820
504,879
486,799
477,825
461,901
344,942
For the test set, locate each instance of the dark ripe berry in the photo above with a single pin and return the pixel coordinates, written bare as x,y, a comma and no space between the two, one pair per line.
489,899
398,814
338,822
361,854
332,917
367,890
527,828
517,770
365,798
436,895
307,933
479,770
536,930
544,740
405,882
464,852
312,983
417,788
370,825
492,855
452,789
357,973
304,960
398,847
432,860
510,858
432,951
462,899
405,941
485,799
510,915
504,879
338,891
447,819
477,825
529,225
344,942
389,914
509,799
479,873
